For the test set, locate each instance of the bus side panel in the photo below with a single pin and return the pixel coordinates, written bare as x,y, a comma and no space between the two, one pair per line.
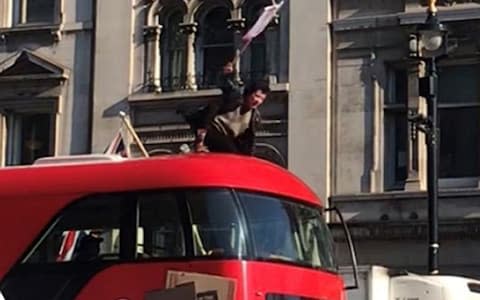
132,281
22,221
254,280
274,278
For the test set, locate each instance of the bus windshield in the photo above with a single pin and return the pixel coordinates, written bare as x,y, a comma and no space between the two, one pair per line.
287,231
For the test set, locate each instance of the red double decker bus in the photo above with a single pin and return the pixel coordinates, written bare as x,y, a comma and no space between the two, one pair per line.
115,229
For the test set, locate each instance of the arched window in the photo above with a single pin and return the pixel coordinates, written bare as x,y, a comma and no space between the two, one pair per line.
173,52
257,62
217,45
261,59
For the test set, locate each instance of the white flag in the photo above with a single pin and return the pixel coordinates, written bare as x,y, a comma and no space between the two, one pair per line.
265,18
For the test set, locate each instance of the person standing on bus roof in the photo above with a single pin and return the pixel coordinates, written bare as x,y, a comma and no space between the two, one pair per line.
229,125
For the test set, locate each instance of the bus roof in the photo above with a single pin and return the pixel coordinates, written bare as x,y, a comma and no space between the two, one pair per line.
170,171
30,196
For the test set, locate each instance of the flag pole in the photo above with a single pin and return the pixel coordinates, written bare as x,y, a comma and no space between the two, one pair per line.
131,130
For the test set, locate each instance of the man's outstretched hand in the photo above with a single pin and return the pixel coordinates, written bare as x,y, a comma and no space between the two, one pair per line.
201,148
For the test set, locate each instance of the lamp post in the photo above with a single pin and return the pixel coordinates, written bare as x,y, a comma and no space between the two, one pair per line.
429,44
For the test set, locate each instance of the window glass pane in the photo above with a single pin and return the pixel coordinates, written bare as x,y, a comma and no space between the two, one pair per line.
40,11
459,142
459,84
217,44
258,51
288,231
397,86
16,6
258,67
396,148
87,231
216,224
28,138
400,146
174,52
396,126
160,226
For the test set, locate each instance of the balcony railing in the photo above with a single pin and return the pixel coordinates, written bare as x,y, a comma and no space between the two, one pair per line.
170,84
208,81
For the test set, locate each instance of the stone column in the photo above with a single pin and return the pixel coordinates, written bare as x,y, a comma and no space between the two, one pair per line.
376,173
237,25
6,14
190,29
153,58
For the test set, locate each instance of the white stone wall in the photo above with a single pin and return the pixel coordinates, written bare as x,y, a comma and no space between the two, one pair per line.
113,68
309,100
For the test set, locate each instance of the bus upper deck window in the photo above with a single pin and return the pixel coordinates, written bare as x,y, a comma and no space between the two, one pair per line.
88,230
304,237
216,228
161,224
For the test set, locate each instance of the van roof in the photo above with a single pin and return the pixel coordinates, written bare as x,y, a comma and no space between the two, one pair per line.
170,171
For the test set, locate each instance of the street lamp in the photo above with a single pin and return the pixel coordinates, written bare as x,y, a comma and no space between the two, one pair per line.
429,44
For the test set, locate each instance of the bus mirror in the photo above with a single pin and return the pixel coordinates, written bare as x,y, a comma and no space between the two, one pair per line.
351,247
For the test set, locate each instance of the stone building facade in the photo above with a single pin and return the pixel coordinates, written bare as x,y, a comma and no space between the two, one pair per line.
168,57
45,78
378,161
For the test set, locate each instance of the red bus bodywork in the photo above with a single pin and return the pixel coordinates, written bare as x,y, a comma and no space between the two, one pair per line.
30,197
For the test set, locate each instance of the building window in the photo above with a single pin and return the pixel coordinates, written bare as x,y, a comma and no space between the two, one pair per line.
29,136
34,11
217,46
173,53
396,126
258,48
459,109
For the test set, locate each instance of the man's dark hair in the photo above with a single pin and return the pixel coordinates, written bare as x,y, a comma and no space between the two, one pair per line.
229,56
254,86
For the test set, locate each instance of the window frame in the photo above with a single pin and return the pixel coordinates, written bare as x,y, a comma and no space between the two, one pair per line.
468,181
184,221
202,47
254,10
126,232
235,204
167,47
393,108
18,107
15,138
19,13
250,237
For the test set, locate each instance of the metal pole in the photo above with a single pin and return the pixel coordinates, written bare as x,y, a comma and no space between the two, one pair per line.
433,139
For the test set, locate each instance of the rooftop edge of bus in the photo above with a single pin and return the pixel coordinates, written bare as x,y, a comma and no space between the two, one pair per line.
79,175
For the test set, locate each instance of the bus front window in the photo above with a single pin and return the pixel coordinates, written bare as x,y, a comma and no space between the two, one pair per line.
288,231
